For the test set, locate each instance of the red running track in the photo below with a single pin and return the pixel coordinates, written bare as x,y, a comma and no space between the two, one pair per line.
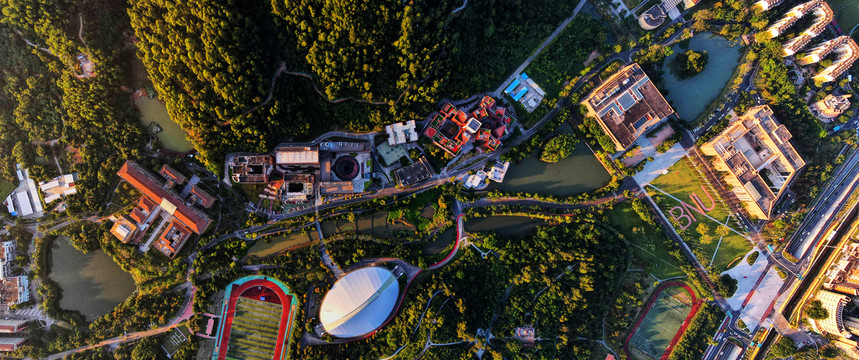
695,306
285,301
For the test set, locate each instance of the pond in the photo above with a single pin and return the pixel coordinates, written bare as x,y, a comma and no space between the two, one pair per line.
274,245
580,172
171,136
505,225
690,97
92,283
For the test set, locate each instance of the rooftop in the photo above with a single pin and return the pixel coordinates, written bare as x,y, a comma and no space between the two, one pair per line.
756,151
626,105
154,189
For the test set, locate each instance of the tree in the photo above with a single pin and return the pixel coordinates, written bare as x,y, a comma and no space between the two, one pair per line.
704,230
816,310
784,347
558,148
690,63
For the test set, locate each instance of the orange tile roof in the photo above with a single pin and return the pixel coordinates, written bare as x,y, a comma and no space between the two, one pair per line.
175,231
153,189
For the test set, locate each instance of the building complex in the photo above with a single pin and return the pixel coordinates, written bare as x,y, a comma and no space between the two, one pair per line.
484,125
59,187
179,218
627,105
844,47
14,289
757,158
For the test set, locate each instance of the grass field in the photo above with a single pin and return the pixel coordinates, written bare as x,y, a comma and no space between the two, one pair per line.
254,332
661,323
681,182
846,13
660,263
6,188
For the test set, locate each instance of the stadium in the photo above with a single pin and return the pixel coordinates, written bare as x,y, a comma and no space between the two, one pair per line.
359,303
256,320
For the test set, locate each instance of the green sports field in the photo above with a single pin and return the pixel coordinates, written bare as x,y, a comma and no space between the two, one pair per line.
661,323
254,332
846,13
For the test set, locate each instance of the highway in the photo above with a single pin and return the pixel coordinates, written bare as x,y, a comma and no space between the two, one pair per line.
827,204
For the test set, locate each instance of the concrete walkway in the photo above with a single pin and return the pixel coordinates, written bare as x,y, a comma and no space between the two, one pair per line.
660,164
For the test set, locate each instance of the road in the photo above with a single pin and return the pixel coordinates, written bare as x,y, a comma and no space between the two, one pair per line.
545,43
830,199
185,314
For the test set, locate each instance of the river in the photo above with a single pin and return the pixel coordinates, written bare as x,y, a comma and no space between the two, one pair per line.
92,283
690,97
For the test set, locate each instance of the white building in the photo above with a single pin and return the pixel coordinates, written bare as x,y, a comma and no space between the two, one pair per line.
359,303
7,255
24,200
400,133
58,187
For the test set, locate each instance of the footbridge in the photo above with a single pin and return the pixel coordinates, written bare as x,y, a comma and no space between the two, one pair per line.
845,50
823,16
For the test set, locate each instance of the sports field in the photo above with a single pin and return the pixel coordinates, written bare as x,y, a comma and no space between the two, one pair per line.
254,331
662,322
256,320
846,13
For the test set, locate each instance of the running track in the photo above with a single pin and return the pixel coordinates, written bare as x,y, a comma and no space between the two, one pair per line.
285,317
696,305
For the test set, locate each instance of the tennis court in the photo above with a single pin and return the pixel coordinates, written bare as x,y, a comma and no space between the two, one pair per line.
661,322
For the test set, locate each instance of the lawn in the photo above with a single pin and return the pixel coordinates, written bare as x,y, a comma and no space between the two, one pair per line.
682,182
251,192
661,264
254,331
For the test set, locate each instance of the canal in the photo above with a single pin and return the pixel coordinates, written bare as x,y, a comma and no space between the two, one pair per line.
504,225
690,97
375,224
92,283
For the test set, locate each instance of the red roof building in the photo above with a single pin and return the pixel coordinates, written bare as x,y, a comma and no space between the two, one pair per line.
201,197
154,190
173,239
451,128
172,175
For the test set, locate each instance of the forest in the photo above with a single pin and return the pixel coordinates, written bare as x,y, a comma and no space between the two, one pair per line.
551,279
247,77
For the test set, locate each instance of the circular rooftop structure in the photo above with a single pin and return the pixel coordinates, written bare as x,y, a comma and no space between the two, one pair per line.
359,303
346,168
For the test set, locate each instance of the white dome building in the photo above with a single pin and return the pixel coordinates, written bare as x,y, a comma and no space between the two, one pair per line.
359,303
